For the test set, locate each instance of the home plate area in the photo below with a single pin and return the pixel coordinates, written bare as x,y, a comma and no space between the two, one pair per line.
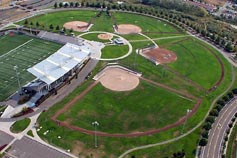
118,78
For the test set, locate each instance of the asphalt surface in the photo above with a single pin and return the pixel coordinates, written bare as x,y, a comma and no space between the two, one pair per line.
29,148
216,135
5,138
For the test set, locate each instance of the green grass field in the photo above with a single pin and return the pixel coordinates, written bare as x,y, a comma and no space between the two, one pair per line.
195,62
24,53
20,126
121,111
61,17
114,51
94,37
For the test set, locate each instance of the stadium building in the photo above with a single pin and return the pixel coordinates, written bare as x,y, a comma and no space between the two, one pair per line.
56,70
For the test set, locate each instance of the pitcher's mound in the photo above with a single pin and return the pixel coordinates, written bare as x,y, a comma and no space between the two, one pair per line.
128,29
117,79
160,55
105,36
79,26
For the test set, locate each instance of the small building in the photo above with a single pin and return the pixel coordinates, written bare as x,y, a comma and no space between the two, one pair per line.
118,41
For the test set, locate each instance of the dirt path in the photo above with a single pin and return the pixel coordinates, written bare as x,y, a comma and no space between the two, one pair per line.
73,102
135,134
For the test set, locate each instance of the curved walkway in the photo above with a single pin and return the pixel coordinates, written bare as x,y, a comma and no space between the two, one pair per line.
112,59
187,133
136,134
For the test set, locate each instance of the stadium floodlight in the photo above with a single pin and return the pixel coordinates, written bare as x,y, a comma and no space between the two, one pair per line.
17,76
186,118
95,124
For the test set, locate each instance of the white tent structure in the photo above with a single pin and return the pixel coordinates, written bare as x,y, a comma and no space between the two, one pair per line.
67,59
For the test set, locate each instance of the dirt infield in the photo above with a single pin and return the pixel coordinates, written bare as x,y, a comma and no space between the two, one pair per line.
79,26
117,79
160,55
105,36
128,29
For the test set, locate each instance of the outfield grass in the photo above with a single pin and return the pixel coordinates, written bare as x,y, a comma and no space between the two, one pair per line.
196,63
24,57
20,126
94,37
61,17
103,23
114,51
121,111
147,24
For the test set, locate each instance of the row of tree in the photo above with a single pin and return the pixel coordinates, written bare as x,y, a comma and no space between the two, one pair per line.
213,114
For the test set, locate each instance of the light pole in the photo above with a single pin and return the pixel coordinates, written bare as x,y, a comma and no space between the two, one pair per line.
188,111
17,76
95,124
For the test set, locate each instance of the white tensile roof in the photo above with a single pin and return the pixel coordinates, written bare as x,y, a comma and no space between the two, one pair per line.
59,63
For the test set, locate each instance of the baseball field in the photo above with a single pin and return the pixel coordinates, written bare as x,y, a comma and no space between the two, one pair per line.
155,110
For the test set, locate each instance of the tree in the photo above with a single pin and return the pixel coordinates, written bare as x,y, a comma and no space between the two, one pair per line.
234,90
214,112
218,107
55,5
207,126
205,134
66,5
221,102
37,24
51,26
60,5
71,4
31,23
231,95
203,142
57,27
210,119
229,47
226,98
77,4
26,22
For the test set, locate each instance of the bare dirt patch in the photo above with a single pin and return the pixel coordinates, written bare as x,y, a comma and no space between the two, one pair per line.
79,26
105,36
118,79
128,29
160,55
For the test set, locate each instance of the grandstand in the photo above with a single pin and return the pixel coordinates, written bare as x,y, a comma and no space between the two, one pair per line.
57,69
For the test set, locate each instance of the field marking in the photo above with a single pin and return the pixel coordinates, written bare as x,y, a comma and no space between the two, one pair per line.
16,48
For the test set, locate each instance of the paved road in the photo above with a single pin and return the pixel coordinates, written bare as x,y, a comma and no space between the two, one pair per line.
29,148
218,131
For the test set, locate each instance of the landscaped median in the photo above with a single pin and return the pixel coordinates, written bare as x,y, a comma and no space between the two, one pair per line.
20,126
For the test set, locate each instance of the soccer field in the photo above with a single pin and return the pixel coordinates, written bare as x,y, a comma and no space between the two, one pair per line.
24,52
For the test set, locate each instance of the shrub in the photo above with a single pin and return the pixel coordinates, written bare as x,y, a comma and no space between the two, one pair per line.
203,142
234,90
207,126
205,134
221,102
218,107
231,95
210,119
214,112
226,98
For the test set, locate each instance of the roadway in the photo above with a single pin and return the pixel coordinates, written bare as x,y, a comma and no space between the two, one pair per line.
213,149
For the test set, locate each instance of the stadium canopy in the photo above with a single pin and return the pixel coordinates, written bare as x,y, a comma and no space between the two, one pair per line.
58,64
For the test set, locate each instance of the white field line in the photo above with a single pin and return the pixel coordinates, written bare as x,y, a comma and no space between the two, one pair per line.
16,48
